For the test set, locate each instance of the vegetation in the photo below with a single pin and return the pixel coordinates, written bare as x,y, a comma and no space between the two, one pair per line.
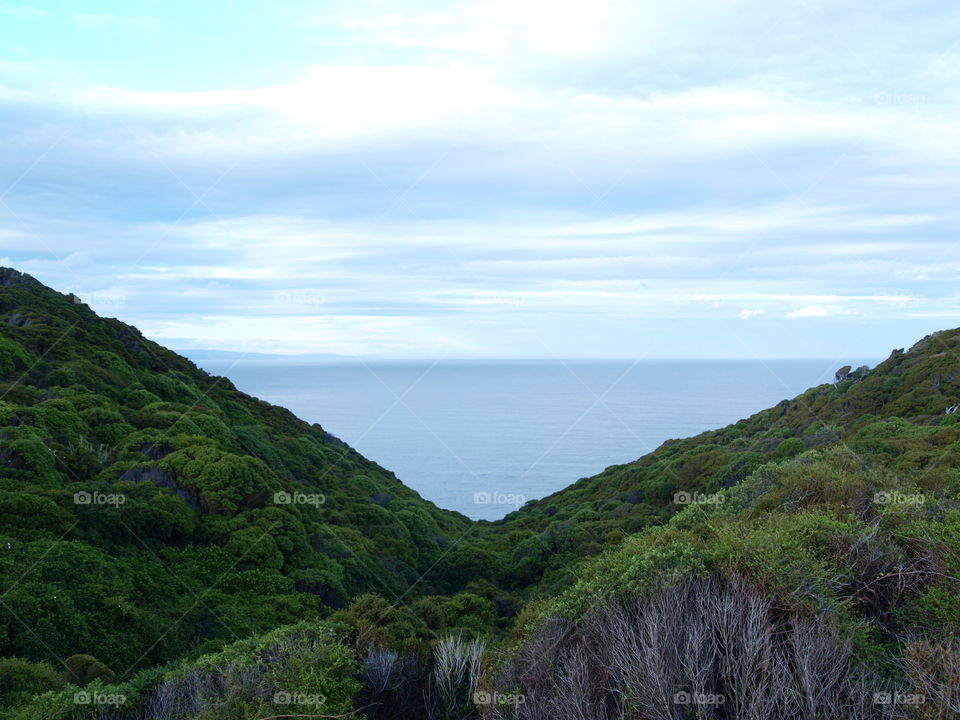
171,548
815,585
149,511
304,668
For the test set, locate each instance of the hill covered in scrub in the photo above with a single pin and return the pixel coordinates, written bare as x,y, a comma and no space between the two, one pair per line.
149,509
173,549
893,416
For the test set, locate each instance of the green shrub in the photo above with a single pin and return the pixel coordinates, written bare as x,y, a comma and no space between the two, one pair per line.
20,680
83,669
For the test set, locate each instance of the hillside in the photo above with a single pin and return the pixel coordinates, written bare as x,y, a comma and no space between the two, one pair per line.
894,415
148,509
803,563
173,542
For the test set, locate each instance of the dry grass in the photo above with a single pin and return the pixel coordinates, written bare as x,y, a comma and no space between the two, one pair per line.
715,650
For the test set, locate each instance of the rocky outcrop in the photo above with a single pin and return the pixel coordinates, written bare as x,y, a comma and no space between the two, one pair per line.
18,320
130,339
10,277
163,479
153,452
940,380
845,373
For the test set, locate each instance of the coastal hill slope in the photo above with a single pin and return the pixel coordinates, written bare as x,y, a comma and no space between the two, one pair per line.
803,563
147,507
898,414
169,540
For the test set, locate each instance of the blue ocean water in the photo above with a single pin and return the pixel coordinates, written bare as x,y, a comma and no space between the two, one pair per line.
481,436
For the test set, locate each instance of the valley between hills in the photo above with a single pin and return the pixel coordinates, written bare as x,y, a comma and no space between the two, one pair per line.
174,549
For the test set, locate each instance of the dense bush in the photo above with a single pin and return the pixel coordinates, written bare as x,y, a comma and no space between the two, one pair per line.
300,669
790,562
176,541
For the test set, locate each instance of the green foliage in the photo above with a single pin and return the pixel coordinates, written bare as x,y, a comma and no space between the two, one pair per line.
790,447
472,614
301,669
20,680
195,552
378,622
821,531
223,481
846,498
83,669
14,358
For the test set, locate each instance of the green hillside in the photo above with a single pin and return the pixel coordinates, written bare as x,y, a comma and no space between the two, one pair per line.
203,555
892,415
142,507
803,563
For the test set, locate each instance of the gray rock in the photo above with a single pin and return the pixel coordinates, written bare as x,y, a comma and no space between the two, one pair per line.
18,320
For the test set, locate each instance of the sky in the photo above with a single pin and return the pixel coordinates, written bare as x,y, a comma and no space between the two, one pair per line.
490,179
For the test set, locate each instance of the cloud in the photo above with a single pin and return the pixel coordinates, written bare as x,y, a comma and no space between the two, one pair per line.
24,12
331,99
493,172
812,311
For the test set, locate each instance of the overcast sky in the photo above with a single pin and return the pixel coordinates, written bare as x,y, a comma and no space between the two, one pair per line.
503,178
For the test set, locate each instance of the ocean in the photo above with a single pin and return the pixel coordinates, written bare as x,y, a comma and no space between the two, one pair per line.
482,437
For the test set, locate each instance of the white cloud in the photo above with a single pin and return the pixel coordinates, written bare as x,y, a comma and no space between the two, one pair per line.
494,163
812,311
24,12
332,99
115,23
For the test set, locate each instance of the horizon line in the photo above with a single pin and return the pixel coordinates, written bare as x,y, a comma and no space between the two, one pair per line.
337,357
